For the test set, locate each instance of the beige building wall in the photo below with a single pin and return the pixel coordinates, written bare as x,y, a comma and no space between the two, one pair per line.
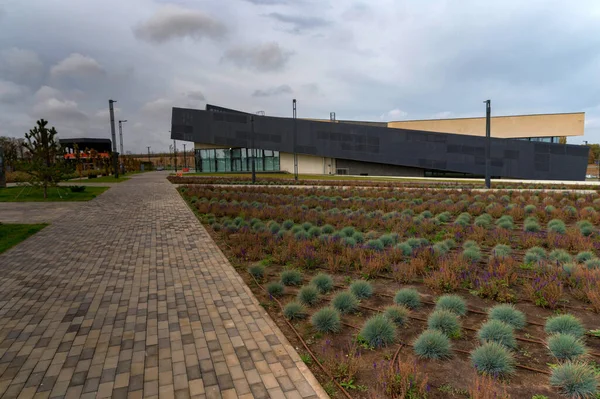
307,164
518,126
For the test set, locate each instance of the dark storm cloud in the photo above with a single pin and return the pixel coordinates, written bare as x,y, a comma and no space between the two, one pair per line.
298,23
174,22
273,91
266,57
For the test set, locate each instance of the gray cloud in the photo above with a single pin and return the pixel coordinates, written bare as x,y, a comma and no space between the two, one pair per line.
77,65
11,92
298,23
54,109
270,2
174,22
196,95
267,57
21,66
273,91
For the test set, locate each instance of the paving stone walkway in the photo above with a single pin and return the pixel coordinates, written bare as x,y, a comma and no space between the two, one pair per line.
127,296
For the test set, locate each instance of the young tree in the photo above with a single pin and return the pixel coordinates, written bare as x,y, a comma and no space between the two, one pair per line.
47,164
78,161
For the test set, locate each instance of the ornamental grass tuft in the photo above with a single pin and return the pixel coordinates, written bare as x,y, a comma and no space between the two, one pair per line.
444,321
378,331
308,295
408,297
257,271
566,346
508,314
432,344
291,277
326,320
397,314
323,282
275,289
294,311
345,302
361,289
565,324
499,332
575,380
453,303
493,359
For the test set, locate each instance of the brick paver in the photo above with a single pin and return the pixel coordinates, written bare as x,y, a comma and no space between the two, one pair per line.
127,296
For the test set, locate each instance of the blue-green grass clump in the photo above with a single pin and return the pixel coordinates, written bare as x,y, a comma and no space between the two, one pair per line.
308,295
499,332
326,320
345,302
534,255
323,282
586,227
584,256
398,314
508,314
378,331
257,271
294,311
493,359
432,344
472,254
275,288
361,289
560,256
502,250
405,248
557,226
375,244
566,346
291,277
408,297
565,324
327,229
575,379
453,303
444,321
387,240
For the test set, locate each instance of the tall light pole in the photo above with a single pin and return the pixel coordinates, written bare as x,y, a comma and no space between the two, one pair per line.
295,139
184,159
148,153
114,138
121,134
488,135
253,150
174,153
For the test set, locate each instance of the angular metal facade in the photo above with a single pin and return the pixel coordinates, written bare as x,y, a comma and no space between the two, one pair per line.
420,149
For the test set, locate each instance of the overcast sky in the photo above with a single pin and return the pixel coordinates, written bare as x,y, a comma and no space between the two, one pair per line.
370,60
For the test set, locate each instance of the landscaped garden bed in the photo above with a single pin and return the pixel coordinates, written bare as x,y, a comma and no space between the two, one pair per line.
392,292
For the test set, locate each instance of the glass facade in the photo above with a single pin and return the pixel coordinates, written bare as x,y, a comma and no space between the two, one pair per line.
236,160
542,139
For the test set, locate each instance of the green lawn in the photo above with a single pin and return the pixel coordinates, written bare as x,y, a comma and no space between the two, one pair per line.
103,179
31,194
12,234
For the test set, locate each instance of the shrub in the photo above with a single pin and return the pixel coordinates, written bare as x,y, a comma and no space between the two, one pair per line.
378,331
308,295
502,250
470,244
508,314
499,332
584,256
414,242
375,244
257,271
534,255
560,256
483,220
307,226
291,277
386,240
566,346
349,241
453,303
314,231
531,226
445,321
77,189
327,229
361,289
565,324
432,344
301,235
405,248
294,311
557,226
593,264
274,228
345,302
505,224
472,254
326,320
275,288
323,282
444,217
348,231
529,208
398,314
358,237
440,248
586,228
296,228
493,359
408,297
575,379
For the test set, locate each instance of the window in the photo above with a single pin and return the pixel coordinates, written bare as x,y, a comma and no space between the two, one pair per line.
236,160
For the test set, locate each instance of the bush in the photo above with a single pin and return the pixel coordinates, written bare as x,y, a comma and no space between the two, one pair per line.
508,314
405,248
314,231
327,229
301,235
77,189
308,295
323,282
288,224
566,346
483,220
493,359
534,255
560,256
326,320
307,226
361,289
398,314
593,264
386,240
275,289
586,228
440,248
444,217
432,344
472,254
565,324
499,332
408,297
257,271
575,379
378,331
349,241
453,303
345,302
274,228
531,226
584,256
529,208
557,226
291,277
414,242
470,244
375,244
445,321
348,231
502,250
294,311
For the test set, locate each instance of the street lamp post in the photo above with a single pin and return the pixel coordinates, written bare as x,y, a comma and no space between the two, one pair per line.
114,138
184,158
175,154
295,139
488,114
121,141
